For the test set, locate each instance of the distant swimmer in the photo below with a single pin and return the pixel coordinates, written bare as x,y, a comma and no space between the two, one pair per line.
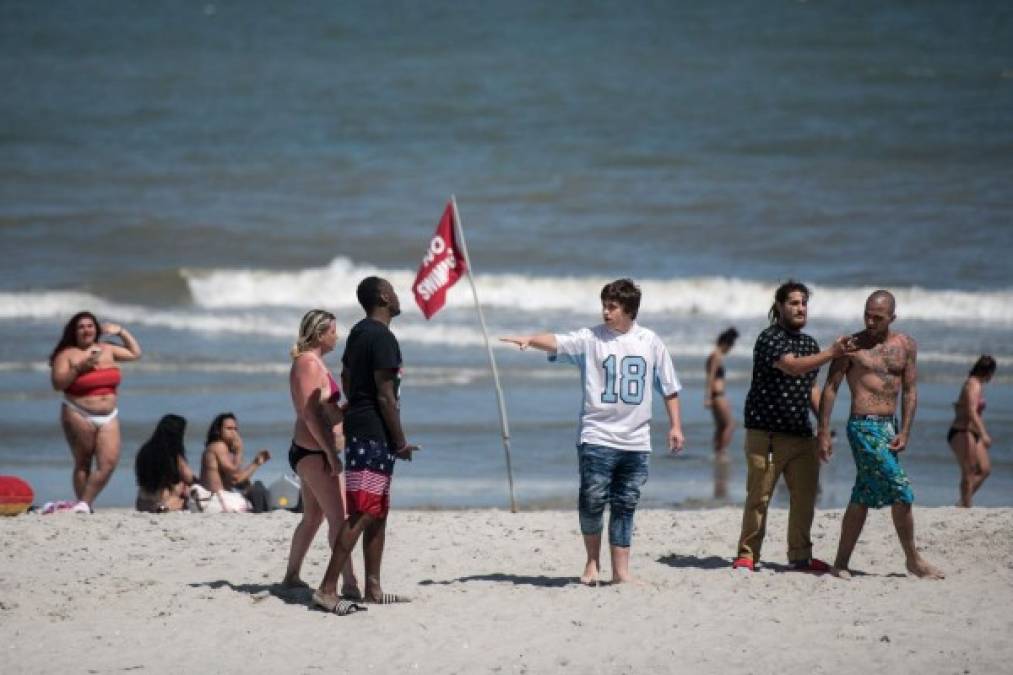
968,437
84,369
721,410
883,366
620,364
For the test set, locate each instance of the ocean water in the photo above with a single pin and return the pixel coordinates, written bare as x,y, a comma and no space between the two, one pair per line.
205,172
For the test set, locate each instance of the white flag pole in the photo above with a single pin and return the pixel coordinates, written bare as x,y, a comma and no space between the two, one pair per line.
504,426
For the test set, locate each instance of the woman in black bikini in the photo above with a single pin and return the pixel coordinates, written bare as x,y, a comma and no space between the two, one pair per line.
317,439
714,398
967,437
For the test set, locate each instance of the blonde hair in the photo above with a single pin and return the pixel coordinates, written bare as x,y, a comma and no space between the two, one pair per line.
314,324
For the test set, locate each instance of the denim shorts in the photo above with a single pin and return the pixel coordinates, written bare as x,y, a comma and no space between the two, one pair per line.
613,477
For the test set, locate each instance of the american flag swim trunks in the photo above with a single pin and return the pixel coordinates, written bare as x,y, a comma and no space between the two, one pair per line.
369,469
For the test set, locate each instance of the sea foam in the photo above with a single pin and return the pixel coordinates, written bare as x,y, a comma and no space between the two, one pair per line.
334,286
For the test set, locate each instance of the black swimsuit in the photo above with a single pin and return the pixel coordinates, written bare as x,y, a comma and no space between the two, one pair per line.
719,374
297,452
954,431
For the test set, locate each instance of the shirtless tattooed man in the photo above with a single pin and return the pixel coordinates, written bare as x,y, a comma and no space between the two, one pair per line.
883,366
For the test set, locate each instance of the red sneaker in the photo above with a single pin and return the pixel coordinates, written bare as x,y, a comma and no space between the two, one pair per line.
744,563
810,565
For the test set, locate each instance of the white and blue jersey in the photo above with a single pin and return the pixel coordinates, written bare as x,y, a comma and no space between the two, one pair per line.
618,371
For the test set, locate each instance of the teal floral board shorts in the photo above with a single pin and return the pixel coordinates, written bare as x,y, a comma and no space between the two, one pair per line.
879,478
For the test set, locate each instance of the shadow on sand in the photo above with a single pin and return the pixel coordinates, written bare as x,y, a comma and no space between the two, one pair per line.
516,579
711,562
257,592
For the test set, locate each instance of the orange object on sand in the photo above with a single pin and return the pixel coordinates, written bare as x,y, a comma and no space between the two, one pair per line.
15,496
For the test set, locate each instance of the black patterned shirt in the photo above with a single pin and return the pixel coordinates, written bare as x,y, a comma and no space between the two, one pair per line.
778,401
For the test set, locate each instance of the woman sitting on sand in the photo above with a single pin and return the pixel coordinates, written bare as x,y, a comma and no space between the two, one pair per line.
161,468
317,438
84,369
968,437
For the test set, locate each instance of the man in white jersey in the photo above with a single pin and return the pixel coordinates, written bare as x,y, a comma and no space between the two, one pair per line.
620,363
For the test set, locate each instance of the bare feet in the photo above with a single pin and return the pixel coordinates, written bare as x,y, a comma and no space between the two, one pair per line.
293,581
627,579
920,568
590,575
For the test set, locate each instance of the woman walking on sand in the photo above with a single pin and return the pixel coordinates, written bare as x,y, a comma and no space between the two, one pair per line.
968,437
316,440
85,370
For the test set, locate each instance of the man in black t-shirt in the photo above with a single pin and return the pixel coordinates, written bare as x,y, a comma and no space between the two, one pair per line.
374,439
779,433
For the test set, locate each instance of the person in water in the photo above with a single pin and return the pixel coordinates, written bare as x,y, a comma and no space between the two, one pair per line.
162,471
968,437
84,369
721,410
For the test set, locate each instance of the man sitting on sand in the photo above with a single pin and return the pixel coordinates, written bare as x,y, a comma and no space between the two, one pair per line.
222,472
883,366
619,362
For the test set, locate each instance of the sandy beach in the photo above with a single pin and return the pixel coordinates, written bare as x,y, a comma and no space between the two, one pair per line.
122,591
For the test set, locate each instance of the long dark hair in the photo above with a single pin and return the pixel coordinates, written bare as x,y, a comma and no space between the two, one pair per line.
728,337
215,430
983,367
157,465
781,296
69,338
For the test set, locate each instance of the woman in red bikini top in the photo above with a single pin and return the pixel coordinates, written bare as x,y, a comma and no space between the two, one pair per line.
84,369
317,438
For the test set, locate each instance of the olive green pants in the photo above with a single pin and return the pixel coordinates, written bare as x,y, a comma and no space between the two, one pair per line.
795,457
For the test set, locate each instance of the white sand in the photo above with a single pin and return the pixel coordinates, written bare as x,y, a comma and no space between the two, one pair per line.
494,592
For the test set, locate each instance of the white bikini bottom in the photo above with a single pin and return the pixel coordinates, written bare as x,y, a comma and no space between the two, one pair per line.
97,421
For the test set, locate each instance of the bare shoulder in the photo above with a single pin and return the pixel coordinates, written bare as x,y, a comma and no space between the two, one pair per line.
972,386
303,367
216,449
908,343
67,353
